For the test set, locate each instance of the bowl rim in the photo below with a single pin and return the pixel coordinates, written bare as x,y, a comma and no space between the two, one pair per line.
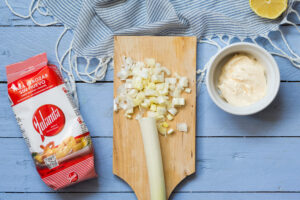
257,106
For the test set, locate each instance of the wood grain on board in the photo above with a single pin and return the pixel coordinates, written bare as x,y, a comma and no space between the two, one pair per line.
178,150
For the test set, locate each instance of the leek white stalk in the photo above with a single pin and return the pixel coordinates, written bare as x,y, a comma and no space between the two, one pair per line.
153,158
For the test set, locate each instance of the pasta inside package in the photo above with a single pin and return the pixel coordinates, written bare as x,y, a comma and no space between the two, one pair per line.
51,124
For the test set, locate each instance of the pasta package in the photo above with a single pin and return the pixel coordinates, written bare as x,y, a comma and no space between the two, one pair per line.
50,122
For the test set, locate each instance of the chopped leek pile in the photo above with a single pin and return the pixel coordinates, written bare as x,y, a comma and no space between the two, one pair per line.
149,87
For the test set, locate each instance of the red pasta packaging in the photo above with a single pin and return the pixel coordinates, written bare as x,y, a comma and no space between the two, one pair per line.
51,124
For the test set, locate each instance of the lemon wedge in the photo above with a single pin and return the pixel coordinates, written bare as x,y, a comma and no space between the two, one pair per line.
270,9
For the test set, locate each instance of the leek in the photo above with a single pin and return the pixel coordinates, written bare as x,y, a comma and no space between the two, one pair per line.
153,158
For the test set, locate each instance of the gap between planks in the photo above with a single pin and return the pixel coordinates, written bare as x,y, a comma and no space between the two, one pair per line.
5,82
35,26
282,81
110,137
177,192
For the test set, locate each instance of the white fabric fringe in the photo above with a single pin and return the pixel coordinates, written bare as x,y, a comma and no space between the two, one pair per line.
98,72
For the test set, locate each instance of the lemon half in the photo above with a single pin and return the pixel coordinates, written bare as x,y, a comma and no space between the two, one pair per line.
270,9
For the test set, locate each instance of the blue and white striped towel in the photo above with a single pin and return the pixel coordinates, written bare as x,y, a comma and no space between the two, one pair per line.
95,22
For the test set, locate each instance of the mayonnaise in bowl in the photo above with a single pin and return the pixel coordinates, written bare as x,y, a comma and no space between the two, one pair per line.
242,80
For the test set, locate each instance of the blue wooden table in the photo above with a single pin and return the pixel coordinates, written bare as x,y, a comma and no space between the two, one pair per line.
252,158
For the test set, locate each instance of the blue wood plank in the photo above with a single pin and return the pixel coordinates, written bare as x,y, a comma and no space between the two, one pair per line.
131,196
281,118
20,43
28,179
67,196
222,164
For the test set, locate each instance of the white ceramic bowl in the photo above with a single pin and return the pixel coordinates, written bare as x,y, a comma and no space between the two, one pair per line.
272,75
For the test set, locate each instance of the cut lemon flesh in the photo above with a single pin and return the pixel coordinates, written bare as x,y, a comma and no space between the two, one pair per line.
270,9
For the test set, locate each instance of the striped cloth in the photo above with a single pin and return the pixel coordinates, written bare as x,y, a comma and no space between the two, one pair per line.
95,22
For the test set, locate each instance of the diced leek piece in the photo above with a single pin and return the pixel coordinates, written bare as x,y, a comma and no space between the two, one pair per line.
168,104
116,108
162,130
138,99
161,100
128,116
123,105
178,101
182,127
136,71
170,131
128,84
166,70
137,83
173,111
132,93
129,111
141,95
140,64
153,100
164,91
145,73
160,86
183,82
123,74
176,75
153,107
146,103
177,92
157,65
172,87
171,81
150,62
136,102
165,124
170,117
157,78
128,61
150,92
160,117
188,90
157,70
161,110
151,85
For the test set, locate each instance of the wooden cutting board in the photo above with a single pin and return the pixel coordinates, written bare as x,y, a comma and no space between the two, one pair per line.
178,150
